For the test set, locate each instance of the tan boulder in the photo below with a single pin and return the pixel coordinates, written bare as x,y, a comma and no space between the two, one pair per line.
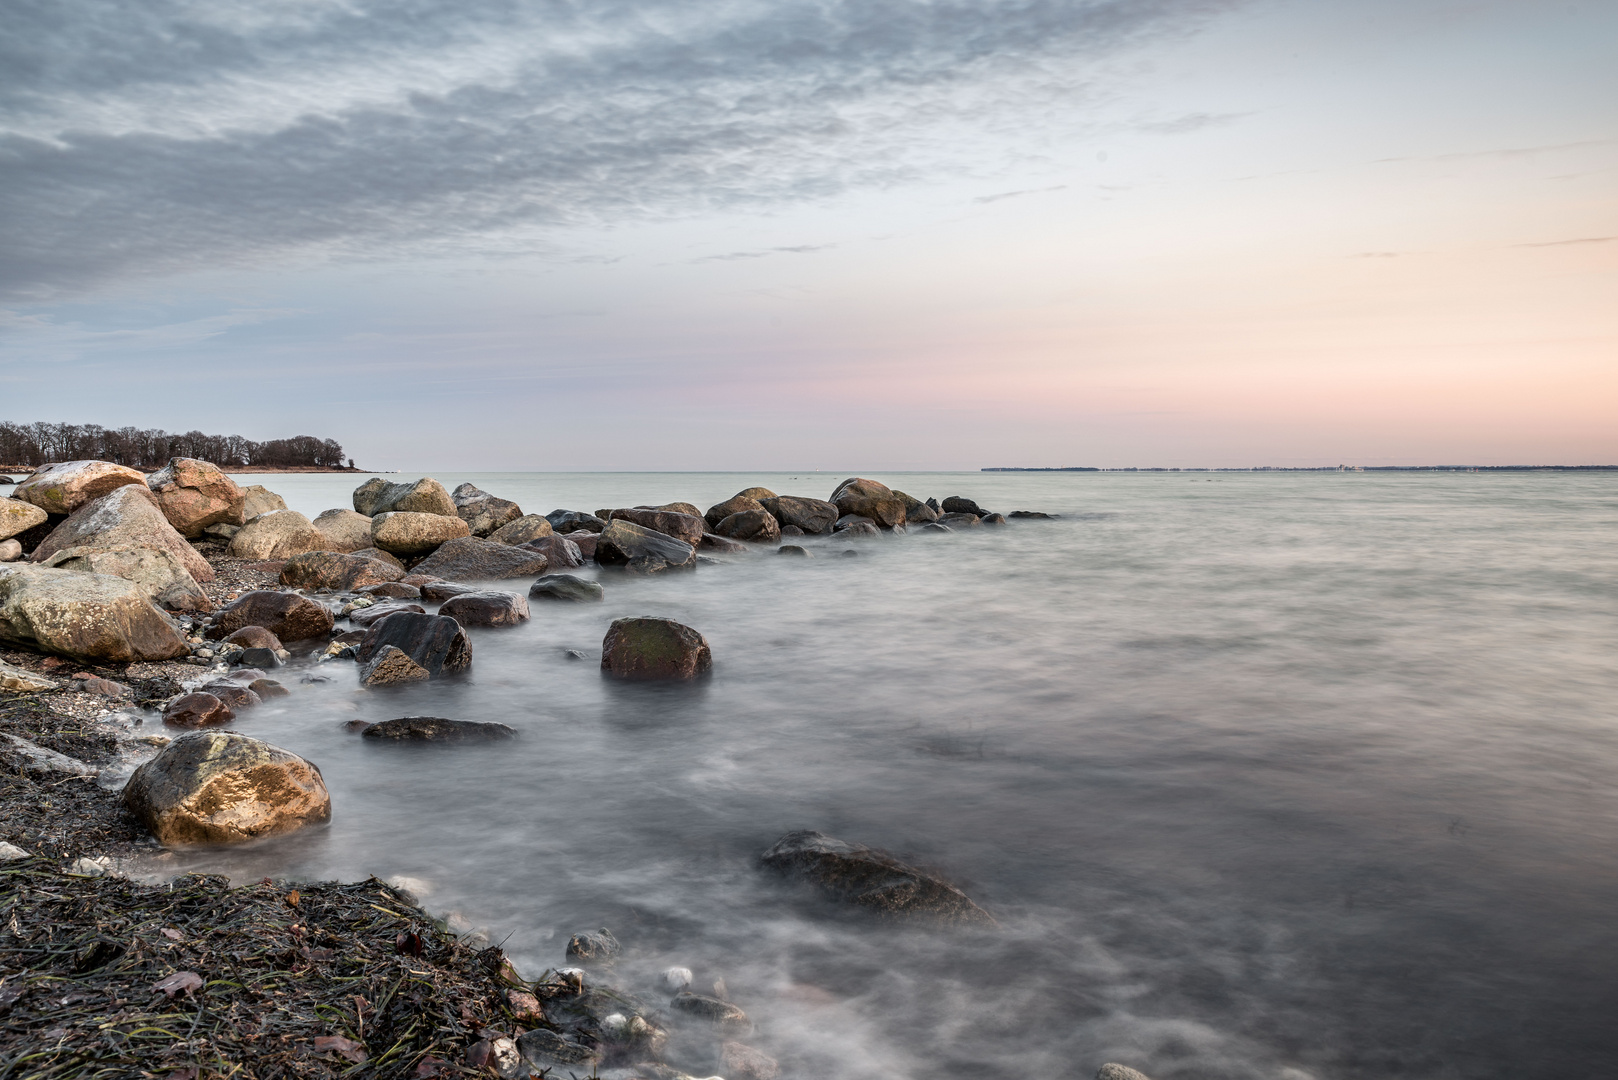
916,511
279,534
681,526
528,528
218,787
759,493
733,505
406,532
258,499
194,494
344,530
17,516
156,570
871,499
424,496
378,553
482,512
63,487
85,616
126,517
755,526
334,570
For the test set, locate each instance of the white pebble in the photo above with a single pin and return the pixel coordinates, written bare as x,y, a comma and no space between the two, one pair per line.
8,852
676,979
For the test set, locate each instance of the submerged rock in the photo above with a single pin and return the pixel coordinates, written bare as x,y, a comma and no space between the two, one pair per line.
85,616
959,521
235,696
642,550
438,729
722,1014
955,504
738,1061
992,519
439,591
435,642
593,946
916,511
218,787
546,1049
472,559
724,545
487,609
654,649
1033,515
288,616
63,487
568,588
424,496
194,494
336,571
365,616
391,590
794,551
870,878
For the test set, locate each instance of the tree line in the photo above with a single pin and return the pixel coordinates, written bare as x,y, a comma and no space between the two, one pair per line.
149,448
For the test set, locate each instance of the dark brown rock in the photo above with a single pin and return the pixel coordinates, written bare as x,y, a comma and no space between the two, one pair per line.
472,559
487,609
254,637
733,505
871,499
870,878
437,643
376,612
439,591
336,571
992,519
955,504
722,545
567,588
288,616
647,648
560,552
641,550
383,556
391,666
235,696
814,516
685,527
571,521
916,511
437,729
197,710
586,543
268,688
1030,515
754,526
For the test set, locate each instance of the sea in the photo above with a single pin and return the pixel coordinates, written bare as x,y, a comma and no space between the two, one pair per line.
1262,775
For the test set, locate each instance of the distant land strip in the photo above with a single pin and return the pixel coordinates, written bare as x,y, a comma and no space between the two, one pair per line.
1315,468
39,443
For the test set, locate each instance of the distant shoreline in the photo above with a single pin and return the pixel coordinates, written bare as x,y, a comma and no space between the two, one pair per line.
1317,468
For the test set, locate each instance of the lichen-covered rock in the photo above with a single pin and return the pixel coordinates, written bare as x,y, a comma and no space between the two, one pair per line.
391,666
218,787
870,878
336,571
641,550
472,559
435,642
733,505
686,527
482,512
126,517
654,649
344,530
17,516
194,494
424,496
156,570
408,532
754,526
288,616
487,609
63,487
258,499
278,534
567,588
568,521
869,498
85,616
438,729
814,516
523,530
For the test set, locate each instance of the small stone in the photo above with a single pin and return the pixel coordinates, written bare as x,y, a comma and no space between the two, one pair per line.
794,550
568,588
254,637
23,680
197,710
11,852
392,590
676,979
268,688
10,550
105,688
594,946
260,658
958,520
392,666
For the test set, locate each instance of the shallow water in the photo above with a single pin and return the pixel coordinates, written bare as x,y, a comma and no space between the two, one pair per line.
1264,775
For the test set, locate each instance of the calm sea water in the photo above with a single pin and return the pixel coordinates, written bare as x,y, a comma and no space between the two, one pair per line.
1276,775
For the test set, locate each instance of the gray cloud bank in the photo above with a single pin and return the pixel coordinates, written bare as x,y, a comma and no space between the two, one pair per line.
171,135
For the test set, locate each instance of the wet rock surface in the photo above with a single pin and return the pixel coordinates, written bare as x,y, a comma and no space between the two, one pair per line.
391,666
652,649
288,616
560,552
490,609
870,878
336,571
472,559
435,642
641,550
568,521
365,616
438,729
197,710
567,588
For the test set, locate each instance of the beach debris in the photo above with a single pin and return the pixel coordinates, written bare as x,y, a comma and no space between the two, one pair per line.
24,681
10,852
26,757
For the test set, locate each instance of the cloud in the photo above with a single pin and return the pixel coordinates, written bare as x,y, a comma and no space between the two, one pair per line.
173,135
1580,240
799,249
1182,125
1015,194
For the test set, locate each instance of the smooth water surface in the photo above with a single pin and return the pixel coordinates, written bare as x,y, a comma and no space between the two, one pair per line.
1264,775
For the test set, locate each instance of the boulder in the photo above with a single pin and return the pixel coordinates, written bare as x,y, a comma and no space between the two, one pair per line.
471,559
852,519
268,688
482,512
642,550
439,591
567,521
277,534
127,517
814,516
258,499
391,590
759,493
391,666
754,526
63,487
407,532
17,516
487,609
254,637
790,530
738,1061
1113,1071
288,616
859,530
424,496
733,505
686,527
344,530
365,616
870,878
197,710
955,504
592,947
10,551
586,543
24,681
377,553
259,658
960,521
794,551
654,649
916,511
724,545
871,499
336,571
722,1014
235,696
437,729
560,552
84,616
689,509
523,530
156,570
566,587
934,527
992,519
544,1049
218,787
194,494
1032,515
435,642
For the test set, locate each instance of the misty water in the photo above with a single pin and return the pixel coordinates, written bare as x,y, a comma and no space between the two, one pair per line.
1263,775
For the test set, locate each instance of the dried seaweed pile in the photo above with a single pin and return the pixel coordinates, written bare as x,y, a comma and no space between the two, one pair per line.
102,977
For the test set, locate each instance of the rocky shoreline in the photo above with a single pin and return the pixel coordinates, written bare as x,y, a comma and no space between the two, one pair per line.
151,610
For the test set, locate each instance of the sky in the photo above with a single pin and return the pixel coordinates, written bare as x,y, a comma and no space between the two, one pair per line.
819,234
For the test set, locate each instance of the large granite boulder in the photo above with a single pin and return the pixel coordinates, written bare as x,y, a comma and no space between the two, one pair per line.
916,511
870,878
258,499
126,517
734,505
17,516
567,588
157,571
868,498
686,527
277,534
487,609
218,787
424,496
759,493
471,559
437,729
288,616
814,516
381,556
755,526
482,512
344,530
642,649
436,643
567,521
586,543
560,552
642,550
84,616
63,487
194,494
336,571
408,532
522,530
